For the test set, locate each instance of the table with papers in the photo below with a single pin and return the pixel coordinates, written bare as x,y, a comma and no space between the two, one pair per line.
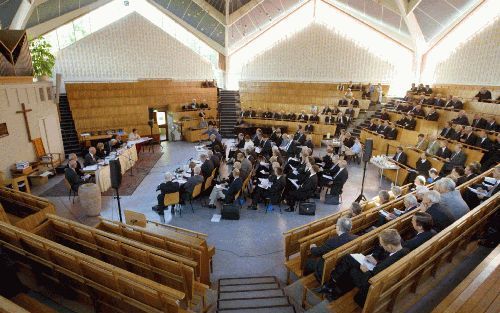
383,163
127,158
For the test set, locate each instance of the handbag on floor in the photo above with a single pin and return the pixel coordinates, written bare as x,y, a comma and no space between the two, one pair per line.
230,212
307,208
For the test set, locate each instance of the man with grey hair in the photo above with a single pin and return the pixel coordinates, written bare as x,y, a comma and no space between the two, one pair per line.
410,203
441,216
396,191
207,166
316,262
451,198
168,186
188,187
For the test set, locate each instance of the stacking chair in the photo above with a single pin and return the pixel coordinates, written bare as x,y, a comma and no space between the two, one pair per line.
196,192
172,199
269,205
71,191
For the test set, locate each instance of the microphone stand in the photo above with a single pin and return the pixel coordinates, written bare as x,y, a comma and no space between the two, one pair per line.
117,197
361,196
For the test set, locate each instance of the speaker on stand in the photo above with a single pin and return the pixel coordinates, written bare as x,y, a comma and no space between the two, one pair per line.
367,155
115,171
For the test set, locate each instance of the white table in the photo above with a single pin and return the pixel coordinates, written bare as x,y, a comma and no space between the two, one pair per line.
387,165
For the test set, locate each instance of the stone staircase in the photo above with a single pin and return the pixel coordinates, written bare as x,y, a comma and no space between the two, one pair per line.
229,102
68,131
364,119
252,295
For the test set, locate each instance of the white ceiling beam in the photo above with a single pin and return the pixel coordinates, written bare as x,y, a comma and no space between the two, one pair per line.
236,15
211,10
412,24
22,14
411,5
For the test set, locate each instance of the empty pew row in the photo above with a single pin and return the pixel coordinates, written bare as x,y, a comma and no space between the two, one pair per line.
22,303
364,244
22,209
298,240
7,306
167,268
174,241
477,291
97,284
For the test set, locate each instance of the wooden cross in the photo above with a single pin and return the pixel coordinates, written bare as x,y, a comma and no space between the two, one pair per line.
24,111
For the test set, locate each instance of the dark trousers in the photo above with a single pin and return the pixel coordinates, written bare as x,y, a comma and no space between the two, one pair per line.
347,275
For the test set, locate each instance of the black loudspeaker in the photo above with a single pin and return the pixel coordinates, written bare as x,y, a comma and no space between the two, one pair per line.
367,155
115,171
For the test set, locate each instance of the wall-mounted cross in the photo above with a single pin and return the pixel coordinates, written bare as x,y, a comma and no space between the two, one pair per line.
24,111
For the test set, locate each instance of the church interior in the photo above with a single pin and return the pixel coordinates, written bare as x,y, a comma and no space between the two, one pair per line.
249,156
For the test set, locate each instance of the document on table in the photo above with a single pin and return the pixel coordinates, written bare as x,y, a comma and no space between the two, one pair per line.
294,182
363,261
90,168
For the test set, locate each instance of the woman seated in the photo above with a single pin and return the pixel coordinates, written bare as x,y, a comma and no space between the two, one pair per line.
165,188
100,151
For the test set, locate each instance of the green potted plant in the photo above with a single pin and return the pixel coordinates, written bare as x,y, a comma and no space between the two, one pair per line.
41,57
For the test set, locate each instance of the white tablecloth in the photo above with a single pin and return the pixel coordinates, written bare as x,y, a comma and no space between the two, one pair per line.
127,160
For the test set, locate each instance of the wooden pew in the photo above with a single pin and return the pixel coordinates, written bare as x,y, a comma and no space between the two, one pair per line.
7,306
299,239
29,303
167,268
477,292
175,241
98,284
491,135
22,209
366,242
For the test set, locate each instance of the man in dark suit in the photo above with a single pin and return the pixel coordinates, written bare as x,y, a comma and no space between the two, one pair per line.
411,123
342,121
292,116
455,104
457,158
207,166
417,111
314,264
337,184
314,118
303,117
478,121
483,141
309,128
384,116
349,112
266,146
383,128
342,102
422,223
165,188
483,95
329,118
187,189
491,124
72,177
468,137
90,158
441,215
439,102
215,144
486,190
354,102
448,131
402,121
461,119
304,191
373,125
391,133
443,151
349,273
423,165
299,138
400,156
229,193
432,115
274,192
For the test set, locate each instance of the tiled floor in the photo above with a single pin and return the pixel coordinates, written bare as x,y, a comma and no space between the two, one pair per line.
251,246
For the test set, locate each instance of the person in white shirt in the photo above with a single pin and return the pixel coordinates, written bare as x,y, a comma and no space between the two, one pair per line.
248,143
133,135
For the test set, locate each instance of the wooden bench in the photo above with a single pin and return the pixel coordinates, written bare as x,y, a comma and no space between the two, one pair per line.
170,269
31,304
169,238
7,306
22,209
366,243
477,292
103,286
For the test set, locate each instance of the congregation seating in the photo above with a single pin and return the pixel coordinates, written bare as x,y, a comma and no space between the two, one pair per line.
167,268
166,237
398,278
299,239
477,291
22,209
96,284
23,304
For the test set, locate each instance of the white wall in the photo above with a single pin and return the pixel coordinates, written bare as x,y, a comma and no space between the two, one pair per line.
16,147
471,61
129,49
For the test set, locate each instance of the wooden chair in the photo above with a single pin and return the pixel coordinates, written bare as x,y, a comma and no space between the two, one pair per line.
21,179
51,160
196,192
135,218
71,191
172,199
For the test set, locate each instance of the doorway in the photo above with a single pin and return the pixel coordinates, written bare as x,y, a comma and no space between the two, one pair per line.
161,119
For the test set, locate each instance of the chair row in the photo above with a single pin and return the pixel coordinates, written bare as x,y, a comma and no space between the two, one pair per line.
167,268
98,284
291,104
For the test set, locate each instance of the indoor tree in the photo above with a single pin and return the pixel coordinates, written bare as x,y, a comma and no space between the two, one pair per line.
42,58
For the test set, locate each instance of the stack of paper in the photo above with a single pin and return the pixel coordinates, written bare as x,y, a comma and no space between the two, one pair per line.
363,261
21,165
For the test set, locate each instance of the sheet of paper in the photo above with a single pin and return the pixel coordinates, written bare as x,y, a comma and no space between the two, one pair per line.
362,261
398,212
258,149
90,168
327,177
216,218
484,194
46,173
294,182
384,213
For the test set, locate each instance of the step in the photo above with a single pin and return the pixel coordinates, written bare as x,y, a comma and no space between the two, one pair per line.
249,287
251,294
253,303
286,309
247,280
